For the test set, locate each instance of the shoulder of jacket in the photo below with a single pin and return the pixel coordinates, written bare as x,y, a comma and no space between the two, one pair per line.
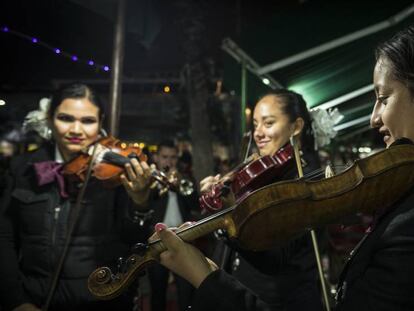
21,162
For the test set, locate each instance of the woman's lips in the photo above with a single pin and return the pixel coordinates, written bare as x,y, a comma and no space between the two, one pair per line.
75,140
262,144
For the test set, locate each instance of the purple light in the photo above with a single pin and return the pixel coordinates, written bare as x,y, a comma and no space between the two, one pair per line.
91,63
5,29
57,51
34,40
74,58
106,68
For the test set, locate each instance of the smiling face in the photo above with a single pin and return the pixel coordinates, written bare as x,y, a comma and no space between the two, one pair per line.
393,113
75,125
272,127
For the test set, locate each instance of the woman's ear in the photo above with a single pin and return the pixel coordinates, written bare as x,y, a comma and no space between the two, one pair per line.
298,126
50,124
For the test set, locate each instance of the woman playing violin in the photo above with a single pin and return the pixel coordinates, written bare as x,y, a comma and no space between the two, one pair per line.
35,215
380,272
285,278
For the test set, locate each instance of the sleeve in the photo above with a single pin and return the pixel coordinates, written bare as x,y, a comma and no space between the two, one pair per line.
135,224
192,206
11,287
221,292
381,274
393,263
267,262
298,252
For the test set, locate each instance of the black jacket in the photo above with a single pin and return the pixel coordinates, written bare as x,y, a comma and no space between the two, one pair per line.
33,226
378,276
285,277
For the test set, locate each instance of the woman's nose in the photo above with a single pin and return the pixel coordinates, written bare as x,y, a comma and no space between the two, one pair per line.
76,127
258,133
376,120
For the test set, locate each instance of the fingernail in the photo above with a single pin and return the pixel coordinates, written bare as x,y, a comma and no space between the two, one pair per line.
160,226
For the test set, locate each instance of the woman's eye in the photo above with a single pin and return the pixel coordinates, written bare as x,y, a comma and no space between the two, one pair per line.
65,118
269,124
382,99
89,121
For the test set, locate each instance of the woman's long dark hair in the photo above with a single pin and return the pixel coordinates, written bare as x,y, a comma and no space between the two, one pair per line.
399,51
76,90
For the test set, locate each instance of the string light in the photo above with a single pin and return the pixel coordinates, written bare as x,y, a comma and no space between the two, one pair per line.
56,50
167,89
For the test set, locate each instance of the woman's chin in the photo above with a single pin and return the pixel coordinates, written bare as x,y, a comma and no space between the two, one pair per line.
72,149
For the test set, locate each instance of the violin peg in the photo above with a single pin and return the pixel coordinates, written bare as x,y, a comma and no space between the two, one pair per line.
133,155
120,265
139,248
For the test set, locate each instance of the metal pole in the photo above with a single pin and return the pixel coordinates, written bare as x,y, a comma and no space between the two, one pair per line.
392,21
243,98
117,66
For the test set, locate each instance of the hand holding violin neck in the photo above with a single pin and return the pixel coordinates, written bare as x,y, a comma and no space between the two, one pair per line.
117,159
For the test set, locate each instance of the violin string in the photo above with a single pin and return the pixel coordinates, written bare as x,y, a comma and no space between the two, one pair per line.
310,175
321,171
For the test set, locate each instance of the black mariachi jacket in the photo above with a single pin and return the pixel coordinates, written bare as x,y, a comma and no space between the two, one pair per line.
33,227
379,274
284,277
378,277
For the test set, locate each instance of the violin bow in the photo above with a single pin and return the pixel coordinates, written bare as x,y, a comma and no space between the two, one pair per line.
295,145
71,228
245,146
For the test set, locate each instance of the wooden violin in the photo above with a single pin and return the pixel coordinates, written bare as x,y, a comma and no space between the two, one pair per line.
109,162
111,156
247,177
278,212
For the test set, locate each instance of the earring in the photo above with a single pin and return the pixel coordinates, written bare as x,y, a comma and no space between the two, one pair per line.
49,134
103,132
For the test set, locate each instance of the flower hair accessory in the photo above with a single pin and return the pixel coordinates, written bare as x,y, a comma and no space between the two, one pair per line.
323,122
36,120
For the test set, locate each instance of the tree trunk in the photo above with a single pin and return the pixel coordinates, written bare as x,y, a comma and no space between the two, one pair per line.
193,39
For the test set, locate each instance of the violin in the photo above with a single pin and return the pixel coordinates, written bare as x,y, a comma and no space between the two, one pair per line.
109,161
111,157
247,177
278,212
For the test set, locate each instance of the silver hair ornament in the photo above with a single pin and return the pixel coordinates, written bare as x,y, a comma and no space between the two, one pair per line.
37,120
323,122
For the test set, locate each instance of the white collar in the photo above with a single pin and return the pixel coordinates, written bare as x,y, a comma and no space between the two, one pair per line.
58,155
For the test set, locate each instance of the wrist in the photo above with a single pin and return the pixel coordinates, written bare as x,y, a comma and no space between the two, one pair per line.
140,198
202,275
